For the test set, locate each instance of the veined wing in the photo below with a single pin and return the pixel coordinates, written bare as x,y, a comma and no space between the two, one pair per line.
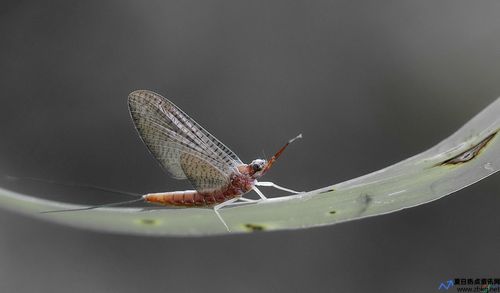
172,135
203,175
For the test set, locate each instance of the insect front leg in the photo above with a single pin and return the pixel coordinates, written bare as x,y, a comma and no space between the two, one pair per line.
247,200
270,184
262,196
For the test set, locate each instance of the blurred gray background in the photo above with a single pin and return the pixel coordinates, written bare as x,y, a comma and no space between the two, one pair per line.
368,83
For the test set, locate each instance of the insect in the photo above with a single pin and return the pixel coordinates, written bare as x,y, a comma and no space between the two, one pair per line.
187,151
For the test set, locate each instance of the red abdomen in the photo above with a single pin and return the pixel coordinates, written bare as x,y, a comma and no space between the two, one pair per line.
192,198
188,198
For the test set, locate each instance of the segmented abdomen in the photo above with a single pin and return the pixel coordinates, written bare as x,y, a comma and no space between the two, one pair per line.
187,198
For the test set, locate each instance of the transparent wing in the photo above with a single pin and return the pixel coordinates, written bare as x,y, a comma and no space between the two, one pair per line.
203,175
171,134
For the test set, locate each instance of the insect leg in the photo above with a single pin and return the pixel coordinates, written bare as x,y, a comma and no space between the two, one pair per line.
262,196
221,205
270,184
247,199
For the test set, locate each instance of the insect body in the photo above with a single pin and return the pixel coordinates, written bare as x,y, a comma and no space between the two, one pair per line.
239,185
188,151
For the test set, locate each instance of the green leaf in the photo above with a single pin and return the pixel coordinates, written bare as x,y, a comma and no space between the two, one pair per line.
467,156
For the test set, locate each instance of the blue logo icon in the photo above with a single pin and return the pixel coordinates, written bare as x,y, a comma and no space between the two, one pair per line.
446,285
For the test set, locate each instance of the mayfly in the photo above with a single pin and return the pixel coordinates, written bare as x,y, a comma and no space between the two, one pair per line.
187,151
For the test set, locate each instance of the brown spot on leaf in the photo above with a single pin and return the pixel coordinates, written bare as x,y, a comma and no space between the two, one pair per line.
148,221
469,154
328,190
254,227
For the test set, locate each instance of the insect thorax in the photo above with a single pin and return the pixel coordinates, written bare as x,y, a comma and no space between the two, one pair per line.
242,182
